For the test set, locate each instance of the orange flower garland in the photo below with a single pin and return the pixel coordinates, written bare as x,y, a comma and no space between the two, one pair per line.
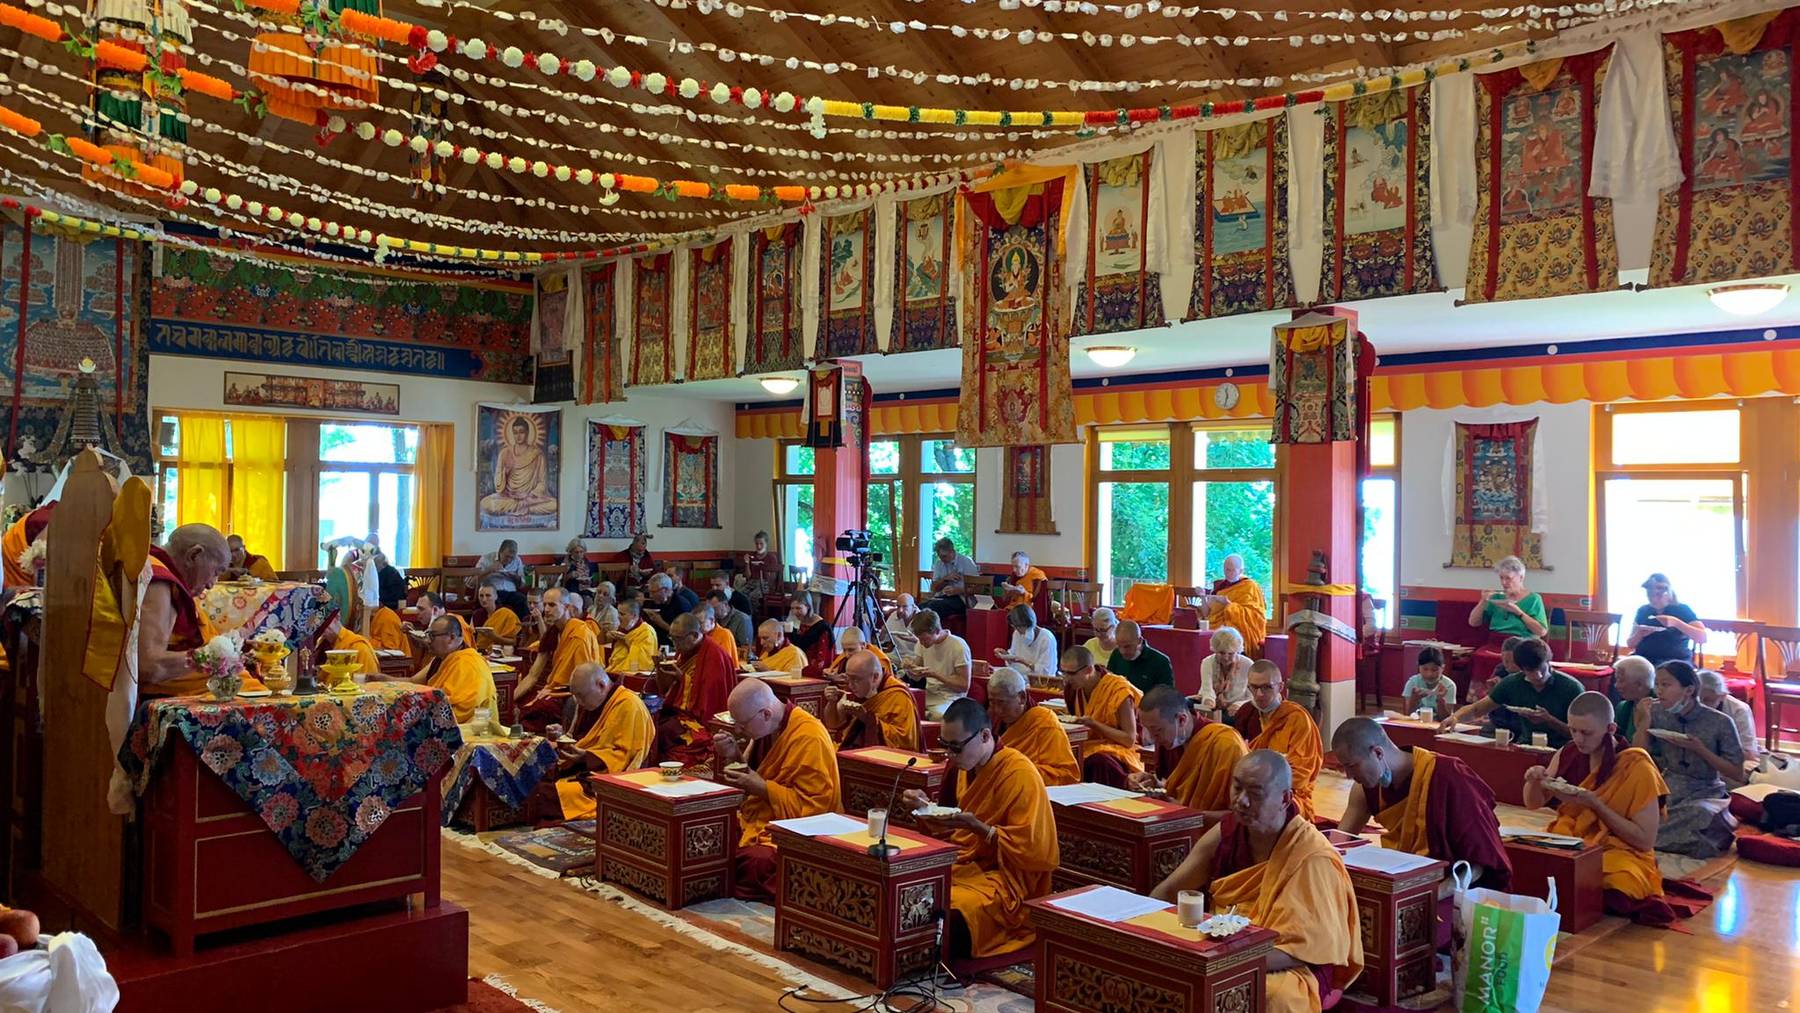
111,54
20,124
29,23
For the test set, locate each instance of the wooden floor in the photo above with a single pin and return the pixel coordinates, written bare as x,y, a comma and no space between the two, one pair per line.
575,952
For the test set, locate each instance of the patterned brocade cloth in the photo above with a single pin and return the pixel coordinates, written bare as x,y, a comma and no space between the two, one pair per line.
297,609
324,772
510,768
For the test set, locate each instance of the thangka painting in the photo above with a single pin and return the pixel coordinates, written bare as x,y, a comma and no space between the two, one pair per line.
690,481
1025,509
1493,490
1378,196
616,481
924,298
1015,377
1312,373
518,467
602,379
1537,232
847,285
549,344
80,301
1119,291
1731,93
652,346
709,312
776,341
1240,220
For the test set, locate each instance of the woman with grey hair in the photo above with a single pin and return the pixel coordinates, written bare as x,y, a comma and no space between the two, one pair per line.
1714,694
1512,611
1106,634
1225,674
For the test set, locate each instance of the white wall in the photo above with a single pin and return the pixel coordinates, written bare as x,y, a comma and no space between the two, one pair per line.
1066,483
1425,533
750,506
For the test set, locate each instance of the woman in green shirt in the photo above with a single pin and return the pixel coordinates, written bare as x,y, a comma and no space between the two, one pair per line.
1513,611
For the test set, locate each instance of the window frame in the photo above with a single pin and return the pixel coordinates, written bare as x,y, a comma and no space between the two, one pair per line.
1392,473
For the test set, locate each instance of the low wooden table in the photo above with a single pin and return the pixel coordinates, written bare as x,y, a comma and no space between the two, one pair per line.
1398,915
1502,768
676,851
1132,844
1580,893
1151,963
806,694
394,664
505,684
874,917
866,779
1597,678
987,633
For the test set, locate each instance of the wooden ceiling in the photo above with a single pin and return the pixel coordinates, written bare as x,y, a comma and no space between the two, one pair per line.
553,127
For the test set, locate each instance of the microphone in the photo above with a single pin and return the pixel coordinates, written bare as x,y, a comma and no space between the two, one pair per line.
880,848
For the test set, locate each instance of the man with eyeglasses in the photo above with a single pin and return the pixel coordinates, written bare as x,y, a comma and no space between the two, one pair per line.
1005,833
1269,721
457,669
1106,705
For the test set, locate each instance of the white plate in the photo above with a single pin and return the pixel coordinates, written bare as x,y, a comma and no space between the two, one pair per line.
1664,733
254,692
937,812
1516,709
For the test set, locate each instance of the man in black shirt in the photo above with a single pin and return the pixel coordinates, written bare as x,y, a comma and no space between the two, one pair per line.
721,581
666,602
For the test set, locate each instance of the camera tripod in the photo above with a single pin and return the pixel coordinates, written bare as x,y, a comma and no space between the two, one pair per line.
863,601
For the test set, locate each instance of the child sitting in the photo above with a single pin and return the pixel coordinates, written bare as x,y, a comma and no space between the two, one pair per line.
1508,666
1429,689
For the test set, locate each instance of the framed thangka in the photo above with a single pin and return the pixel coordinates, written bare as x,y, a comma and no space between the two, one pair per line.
549,340
1241,260
1378,196
847,285
1312,374
1015,376
1537,232
1731,94
776,341
690,481
518,467
601,377
924,299
616,480
709,312
1118,290
652,346
1025,509
1495,484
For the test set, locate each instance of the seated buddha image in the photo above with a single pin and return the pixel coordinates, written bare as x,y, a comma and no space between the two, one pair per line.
521,473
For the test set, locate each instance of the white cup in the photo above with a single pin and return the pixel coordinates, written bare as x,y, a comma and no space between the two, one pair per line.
1540,738
482,716
670,770
878,819
1422,714
1190,908
1502,736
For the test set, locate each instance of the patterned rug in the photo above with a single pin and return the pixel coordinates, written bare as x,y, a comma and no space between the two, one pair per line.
566,849
494,994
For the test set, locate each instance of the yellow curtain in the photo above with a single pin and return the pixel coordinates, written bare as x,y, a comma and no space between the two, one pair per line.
259,484
201,476
433,504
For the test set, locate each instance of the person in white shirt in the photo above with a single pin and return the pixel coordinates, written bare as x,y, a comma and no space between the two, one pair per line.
899,629
1713,694
1106,635
1225,674
942,667
1033,650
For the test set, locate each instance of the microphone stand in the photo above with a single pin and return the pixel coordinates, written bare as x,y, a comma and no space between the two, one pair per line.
880,848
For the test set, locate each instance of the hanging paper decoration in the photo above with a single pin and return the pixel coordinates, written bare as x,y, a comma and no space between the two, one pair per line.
1495,484
1120,290
139,109
709,312
1732,95
1240,220
303,76
430,121
1312,373
1015,376
1537,232
924,297
847,285
652,346
690,481
1025,509
776,342
616,480
601,377
518,469
1378,196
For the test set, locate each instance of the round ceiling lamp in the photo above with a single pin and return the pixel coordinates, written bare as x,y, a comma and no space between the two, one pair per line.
1747,300
779,385
1111,356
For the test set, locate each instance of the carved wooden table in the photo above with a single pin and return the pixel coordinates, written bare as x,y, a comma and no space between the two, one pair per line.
676,851
874,917
1502,768
866,777
806,694
1398,917
506,681
1130,843
1148,963
1580,896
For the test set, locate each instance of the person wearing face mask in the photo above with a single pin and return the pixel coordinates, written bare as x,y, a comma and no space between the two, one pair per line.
1271,721
1698,753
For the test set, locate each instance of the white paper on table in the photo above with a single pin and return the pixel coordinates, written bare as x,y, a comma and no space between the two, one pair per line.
1385,859
1758,792
1508,833
1110,904
822,825
680,789
1076,794
1473,740
983,601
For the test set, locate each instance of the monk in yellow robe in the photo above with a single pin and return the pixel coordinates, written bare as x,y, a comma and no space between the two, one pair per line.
1271,722
612,733
1237,602
1020,587
1194,755
386,633
499,625
1030,728
461,672
245,563
544,690
1106,705
1278,870
16,543
521,483
342,639
695,685
774,654
873,709
171,623
633,646
791,770
710,628
1005,837
849,642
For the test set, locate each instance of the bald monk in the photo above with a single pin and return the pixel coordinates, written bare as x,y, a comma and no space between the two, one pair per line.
461,672
499,625
774,654
1266,859
849,642
245,563
1237,601
171,624
541,694
612,733
1106,705
1194,755
1269,721
386,631
16,544
694,685
873,708
792,771
1005,836
338,638
1031,728
632,647
1615,802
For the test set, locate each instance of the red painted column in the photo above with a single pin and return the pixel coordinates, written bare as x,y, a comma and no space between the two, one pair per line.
840,499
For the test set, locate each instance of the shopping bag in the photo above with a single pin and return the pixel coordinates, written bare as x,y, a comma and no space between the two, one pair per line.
1505,944
67,976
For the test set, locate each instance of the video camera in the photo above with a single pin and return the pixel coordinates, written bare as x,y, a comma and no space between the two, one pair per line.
856,547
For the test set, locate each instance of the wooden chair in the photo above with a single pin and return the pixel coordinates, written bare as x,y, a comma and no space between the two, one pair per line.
545,577
1743,667
1594,632
421,579
1080,598
1190,605
1783,690
459,581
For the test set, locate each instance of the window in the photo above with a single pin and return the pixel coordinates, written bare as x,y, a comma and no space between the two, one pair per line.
1381,519
794,466
365,484
1131,519
1234,502
886,505
946,499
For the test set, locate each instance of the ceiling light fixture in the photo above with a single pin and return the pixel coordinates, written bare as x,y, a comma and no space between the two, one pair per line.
1747,300
779,385
1111,356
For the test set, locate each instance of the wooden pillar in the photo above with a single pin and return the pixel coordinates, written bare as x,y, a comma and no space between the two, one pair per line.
840,499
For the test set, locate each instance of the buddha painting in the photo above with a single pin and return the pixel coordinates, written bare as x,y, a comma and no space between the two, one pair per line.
520,489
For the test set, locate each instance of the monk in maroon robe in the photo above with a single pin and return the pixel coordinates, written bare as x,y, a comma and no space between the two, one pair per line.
694,686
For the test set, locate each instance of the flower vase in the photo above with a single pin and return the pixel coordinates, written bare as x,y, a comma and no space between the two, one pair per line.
225,687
